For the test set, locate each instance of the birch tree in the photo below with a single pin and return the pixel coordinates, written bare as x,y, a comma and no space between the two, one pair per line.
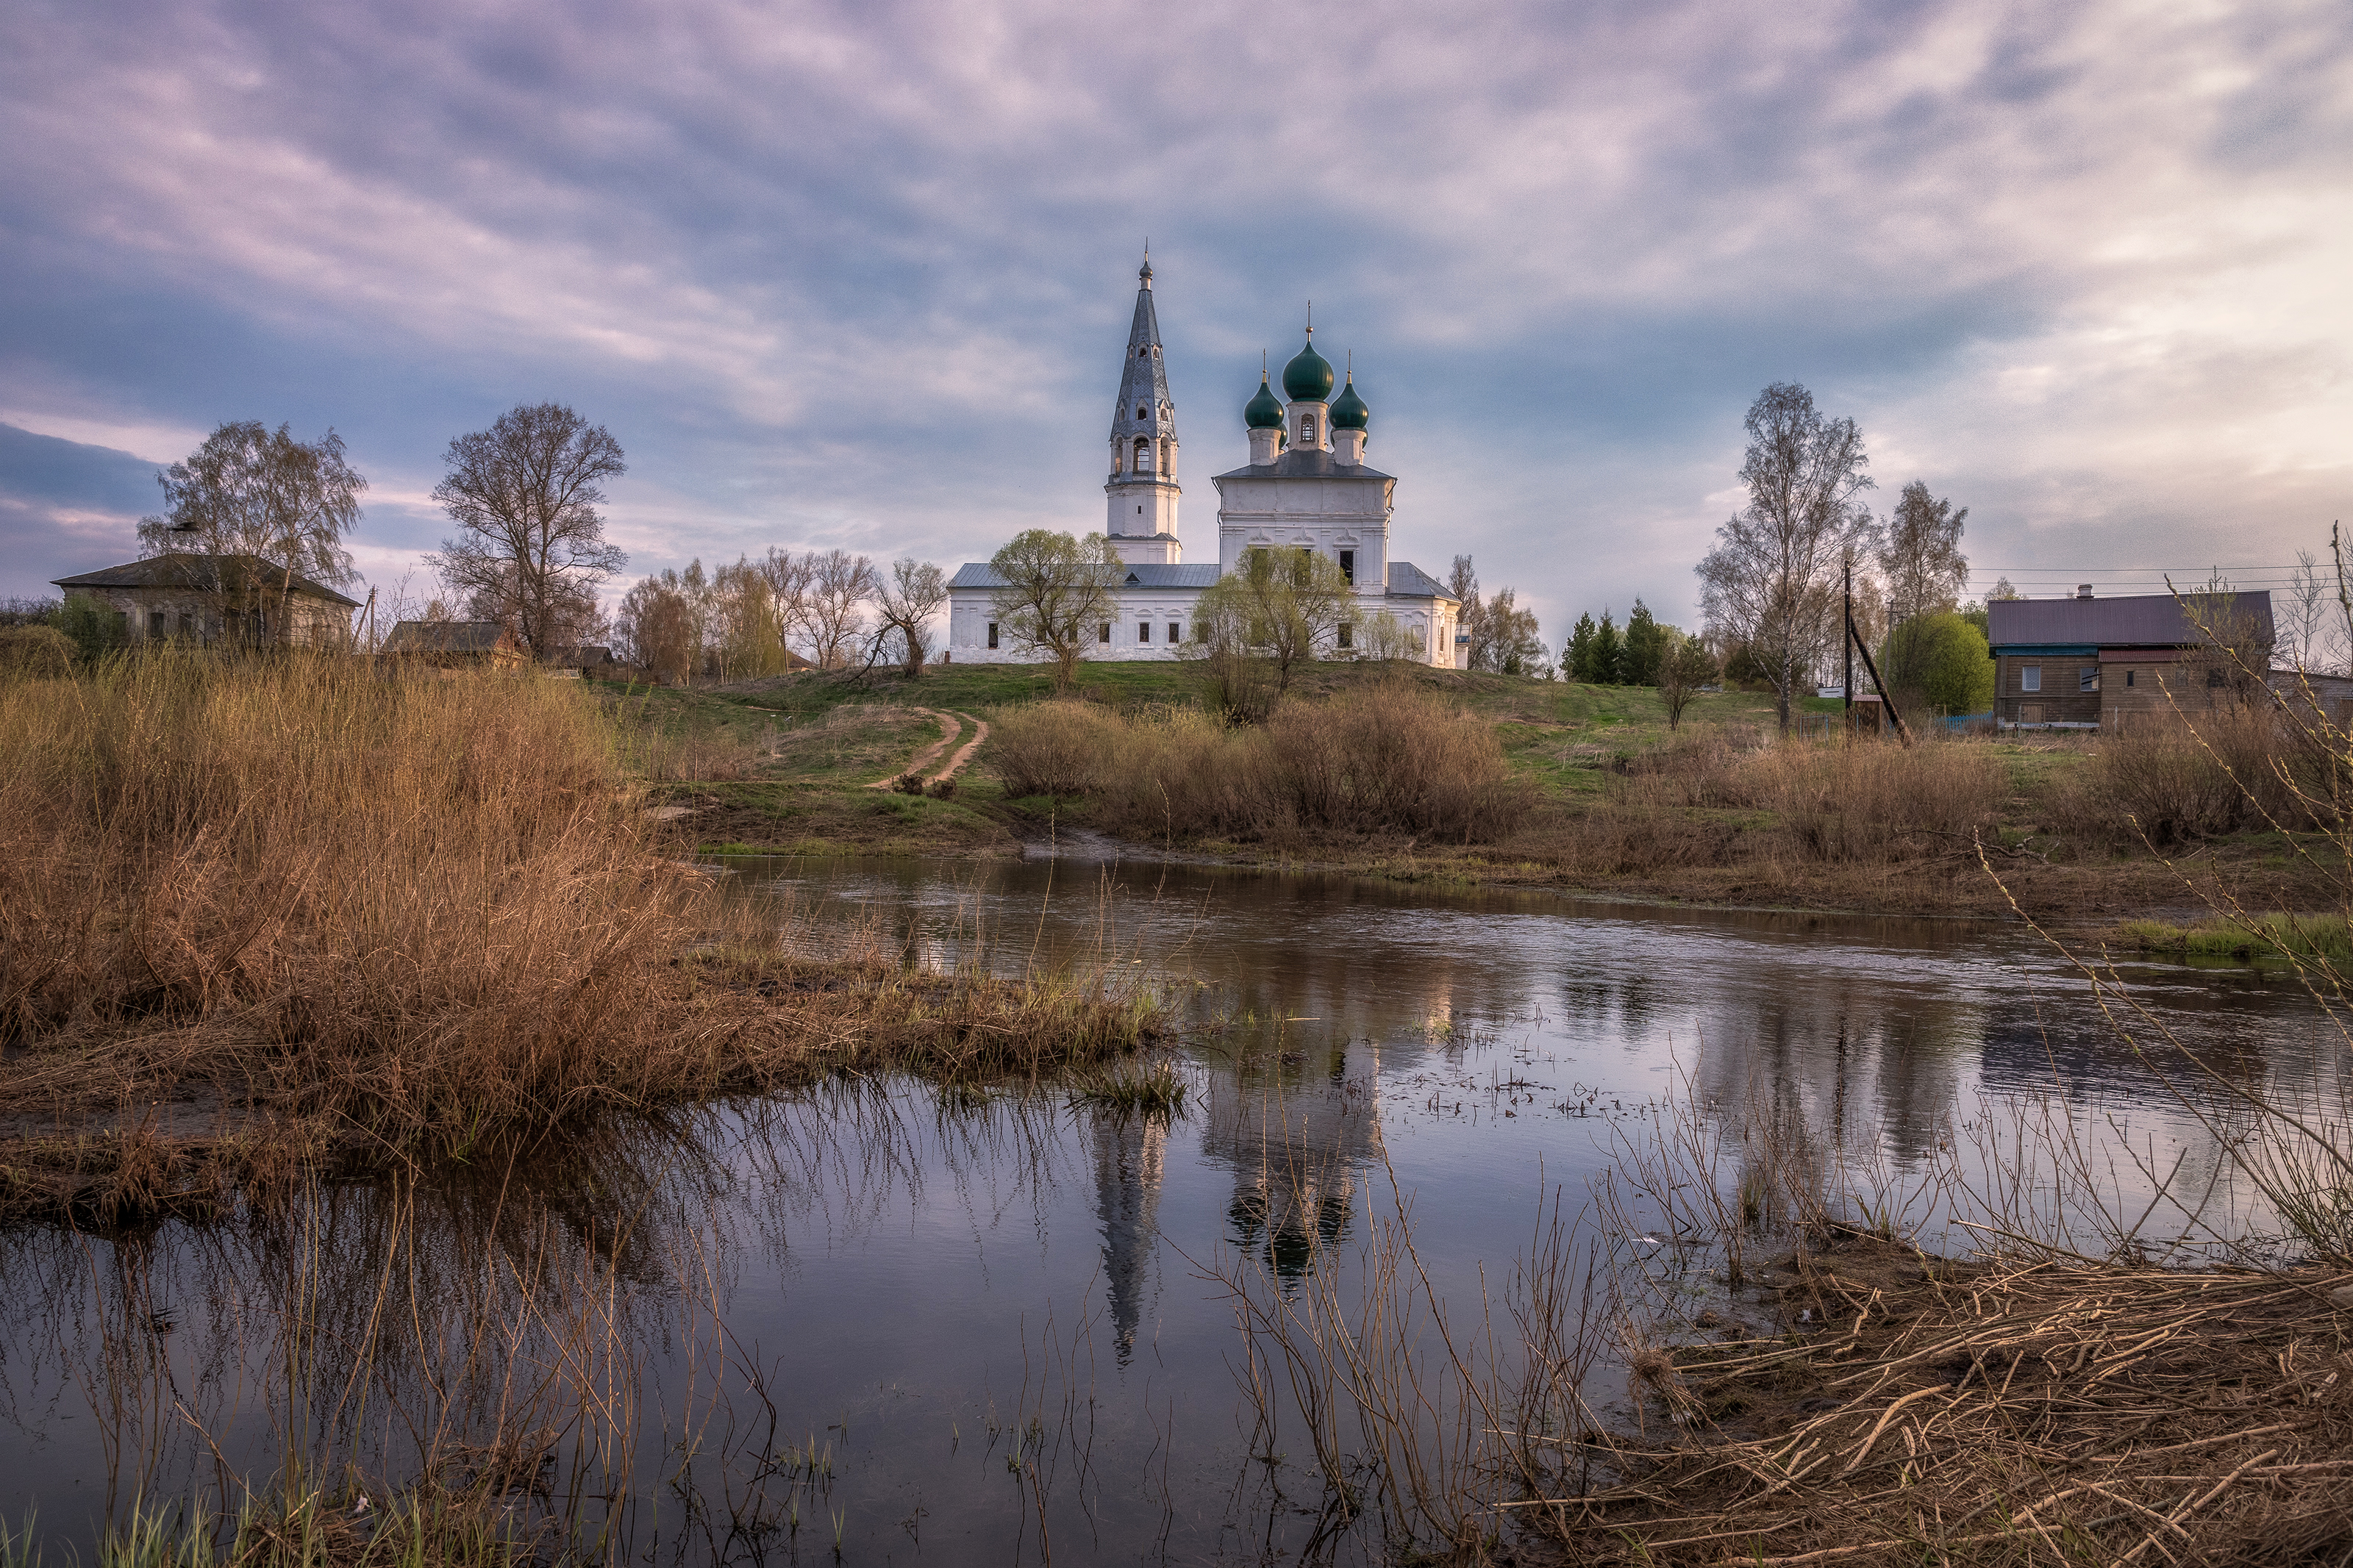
250,492
1771,582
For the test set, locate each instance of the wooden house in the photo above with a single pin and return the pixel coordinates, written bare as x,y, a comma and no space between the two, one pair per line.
215,599
457,645
2086,662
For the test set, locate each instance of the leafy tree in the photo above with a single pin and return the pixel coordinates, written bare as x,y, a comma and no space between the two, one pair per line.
1941,660
1512,645
530,545
1685,667
909,600
1286,602
250,491
1771,582
1921,555
1645,646
1057,591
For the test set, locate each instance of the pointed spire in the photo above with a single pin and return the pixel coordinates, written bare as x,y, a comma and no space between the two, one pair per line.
1143,273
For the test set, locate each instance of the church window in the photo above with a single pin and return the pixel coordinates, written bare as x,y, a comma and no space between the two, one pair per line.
1349,567
1102,633
1144,631
1176,631
1139,411
1144,457
1307,429
992,634
1346,631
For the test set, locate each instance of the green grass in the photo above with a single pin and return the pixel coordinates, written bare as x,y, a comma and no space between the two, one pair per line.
2272,937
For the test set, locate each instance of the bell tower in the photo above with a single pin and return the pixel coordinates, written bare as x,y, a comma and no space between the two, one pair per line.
1140,519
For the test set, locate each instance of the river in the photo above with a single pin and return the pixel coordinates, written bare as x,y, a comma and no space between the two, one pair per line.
909,1326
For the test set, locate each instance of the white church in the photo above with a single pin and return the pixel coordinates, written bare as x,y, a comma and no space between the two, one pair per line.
1306,485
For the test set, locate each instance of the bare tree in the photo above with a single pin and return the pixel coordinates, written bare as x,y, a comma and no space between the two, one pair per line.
1922,555
1771,582
2311,623
1056,593
1471,618
1507,641
253,494
789,577
839,585
530,541
908,601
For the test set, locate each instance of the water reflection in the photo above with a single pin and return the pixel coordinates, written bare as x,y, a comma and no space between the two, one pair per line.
986,1311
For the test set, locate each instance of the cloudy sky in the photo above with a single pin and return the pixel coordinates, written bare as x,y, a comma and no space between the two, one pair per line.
860,274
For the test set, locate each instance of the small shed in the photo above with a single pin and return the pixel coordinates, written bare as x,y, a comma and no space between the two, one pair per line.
2086,662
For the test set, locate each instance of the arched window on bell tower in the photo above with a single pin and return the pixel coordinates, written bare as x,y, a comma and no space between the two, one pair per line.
1142,456
1307,429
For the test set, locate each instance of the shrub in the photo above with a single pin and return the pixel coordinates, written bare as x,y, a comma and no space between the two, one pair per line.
1942,660
1389,759
1053,748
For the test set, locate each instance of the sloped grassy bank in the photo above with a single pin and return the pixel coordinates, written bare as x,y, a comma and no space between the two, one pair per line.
264,919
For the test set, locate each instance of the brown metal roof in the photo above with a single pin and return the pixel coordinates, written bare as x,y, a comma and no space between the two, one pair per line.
201,573
2141,620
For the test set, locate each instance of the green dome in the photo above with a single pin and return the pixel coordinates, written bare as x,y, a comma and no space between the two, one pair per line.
1262,412
1308,377
1350,413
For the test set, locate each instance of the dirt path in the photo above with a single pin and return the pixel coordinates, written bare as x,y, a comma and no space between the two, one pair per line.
964,753
950,726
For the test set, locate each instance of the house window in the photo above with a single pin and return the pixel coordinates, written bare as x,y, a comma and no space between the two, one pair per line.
1346,629
1102,633
1349,567
2088,678
1176,631
1144,631
154,622
2030,677
1307,429
992,634
2129,677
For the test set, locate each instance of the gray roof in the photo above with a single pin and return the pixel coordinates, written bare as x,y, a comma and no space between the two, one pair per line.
1315,465
1410,582
201,573
2141,620
978,575
443,637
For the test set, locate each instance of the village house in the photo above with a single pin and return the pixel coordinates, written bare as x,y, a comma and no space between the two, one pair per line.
486,645
215,599
2086,662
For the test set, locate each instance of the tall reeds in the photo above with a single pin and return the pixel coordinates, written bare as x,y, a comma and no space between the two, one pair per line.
264,915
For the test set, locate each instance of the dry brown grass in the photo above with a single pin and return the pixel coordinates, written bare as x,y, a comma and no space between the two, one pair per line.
259,917
1394,758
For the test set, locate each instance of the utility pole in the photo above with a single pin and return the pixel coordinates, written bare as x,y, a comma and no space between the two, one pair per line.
1846,644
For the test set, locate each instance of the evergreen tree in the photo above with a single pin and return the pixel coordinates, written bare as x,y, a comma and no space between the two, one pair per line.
1609,651
1576,658
1646,644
